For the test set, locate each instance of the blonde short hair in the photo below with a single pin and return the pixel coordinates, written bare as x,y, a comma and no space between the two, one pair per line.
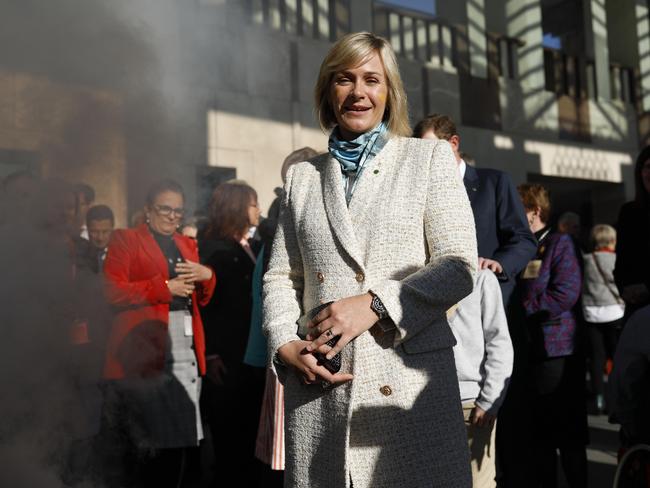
351,51
603,235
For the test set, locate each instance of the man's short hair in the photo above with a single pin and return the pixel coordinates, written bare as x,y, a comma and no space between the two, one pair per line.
86,190
100,212
442,126
297,156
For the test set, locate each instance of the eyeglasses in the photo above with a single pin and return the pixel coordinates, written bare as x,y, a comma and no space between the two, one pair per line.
166,211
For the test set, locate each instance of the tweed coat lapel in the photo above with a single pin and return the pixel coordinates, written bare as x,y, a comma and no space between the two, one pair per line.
337,210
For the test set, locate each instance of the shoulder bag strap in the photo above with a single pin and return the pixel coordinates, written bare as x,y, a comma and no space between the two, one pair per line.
616,296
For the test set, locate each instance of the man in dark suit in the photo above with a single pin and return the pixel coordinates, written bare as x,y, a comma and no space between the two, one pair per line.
505,243
100,224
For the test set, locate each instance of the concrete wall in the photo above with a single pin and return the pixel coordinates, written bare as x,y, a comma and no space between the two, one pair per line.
75,133
257,123
221,88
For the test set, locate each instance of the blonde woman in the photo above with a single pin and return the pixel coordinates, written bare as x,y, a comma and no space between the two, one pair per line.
381,227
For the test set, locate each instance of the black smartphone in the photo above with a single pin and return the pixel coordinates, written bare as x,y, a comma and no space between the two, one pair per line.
332,365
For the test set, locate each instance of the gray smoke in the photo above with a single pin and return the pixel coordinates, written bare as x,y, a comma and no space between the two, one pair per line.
144,52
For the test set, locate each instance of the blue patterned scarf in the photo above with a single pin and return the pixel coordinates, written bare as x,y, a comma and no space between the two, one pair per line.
352,155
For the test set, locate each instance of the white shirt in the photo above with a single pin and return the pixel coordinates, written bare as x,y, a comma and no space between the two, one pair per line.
600,314
462,167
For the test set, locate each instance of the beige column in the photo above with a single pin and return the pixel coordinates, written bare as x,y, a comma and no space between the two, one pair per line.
476,38
597,47
643,36
525,23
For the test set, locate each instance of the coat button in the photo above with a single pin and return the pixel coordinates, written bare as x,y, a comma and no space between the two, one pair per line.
386,390
360,277
320,277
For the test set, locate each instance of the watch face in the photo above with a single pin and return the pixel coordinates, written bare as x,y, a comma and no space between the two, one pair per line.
378,307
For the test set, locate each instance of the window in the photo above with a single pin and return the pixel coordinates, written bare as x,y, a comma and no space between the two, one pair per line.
424,6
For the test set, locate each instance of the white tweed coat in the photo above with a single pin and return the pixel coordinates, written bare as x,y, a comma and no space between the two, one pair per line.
408,236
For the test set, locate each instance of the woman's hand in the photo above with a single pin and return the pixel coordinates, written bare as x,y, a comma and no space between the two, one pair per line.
179,287
349,318
191,271
295,355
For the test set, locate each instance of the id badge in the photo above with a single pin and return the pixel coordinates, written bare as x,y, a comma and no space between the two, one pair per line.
187,325
532,270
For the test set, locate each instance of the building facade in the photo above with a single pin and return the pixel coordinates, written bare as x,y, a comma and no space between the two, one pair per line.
555,91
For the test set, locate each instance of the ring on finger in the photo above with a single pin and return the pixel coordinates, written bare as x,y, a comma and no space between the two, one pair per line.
328,333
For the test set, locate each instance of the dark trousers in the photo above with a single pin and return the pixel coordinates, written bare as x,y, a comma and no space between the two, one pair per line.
560,421
232,411
574,465
123,463
602,339
543,411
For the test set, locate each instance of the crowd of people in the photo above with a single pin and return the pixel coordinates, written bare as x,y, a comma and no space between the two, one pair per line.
399,318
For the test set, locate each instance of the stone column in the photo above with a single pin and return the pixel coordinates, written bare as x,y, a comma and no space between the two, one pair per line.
597,47
538,107
476,38
643,36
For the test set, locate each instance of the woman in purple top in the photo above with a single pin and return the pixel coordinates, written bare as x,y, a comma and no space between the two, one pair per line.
550,287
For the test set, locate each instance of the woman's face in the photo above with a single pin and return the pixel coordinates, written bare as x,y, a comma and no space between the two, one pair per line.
358,97
645,175
254,214
534,221
166,212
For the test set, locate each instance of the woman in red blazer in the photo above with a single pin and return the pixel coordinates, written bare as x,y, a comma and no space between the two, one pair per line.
156,349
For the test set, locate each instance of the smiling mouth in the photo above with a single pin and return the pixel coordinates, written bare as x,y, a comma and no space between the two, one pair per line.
357,109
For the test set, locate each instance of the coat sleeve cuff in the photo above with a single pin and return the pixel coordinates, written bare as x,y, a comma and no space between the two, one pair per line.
160,290
274,362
